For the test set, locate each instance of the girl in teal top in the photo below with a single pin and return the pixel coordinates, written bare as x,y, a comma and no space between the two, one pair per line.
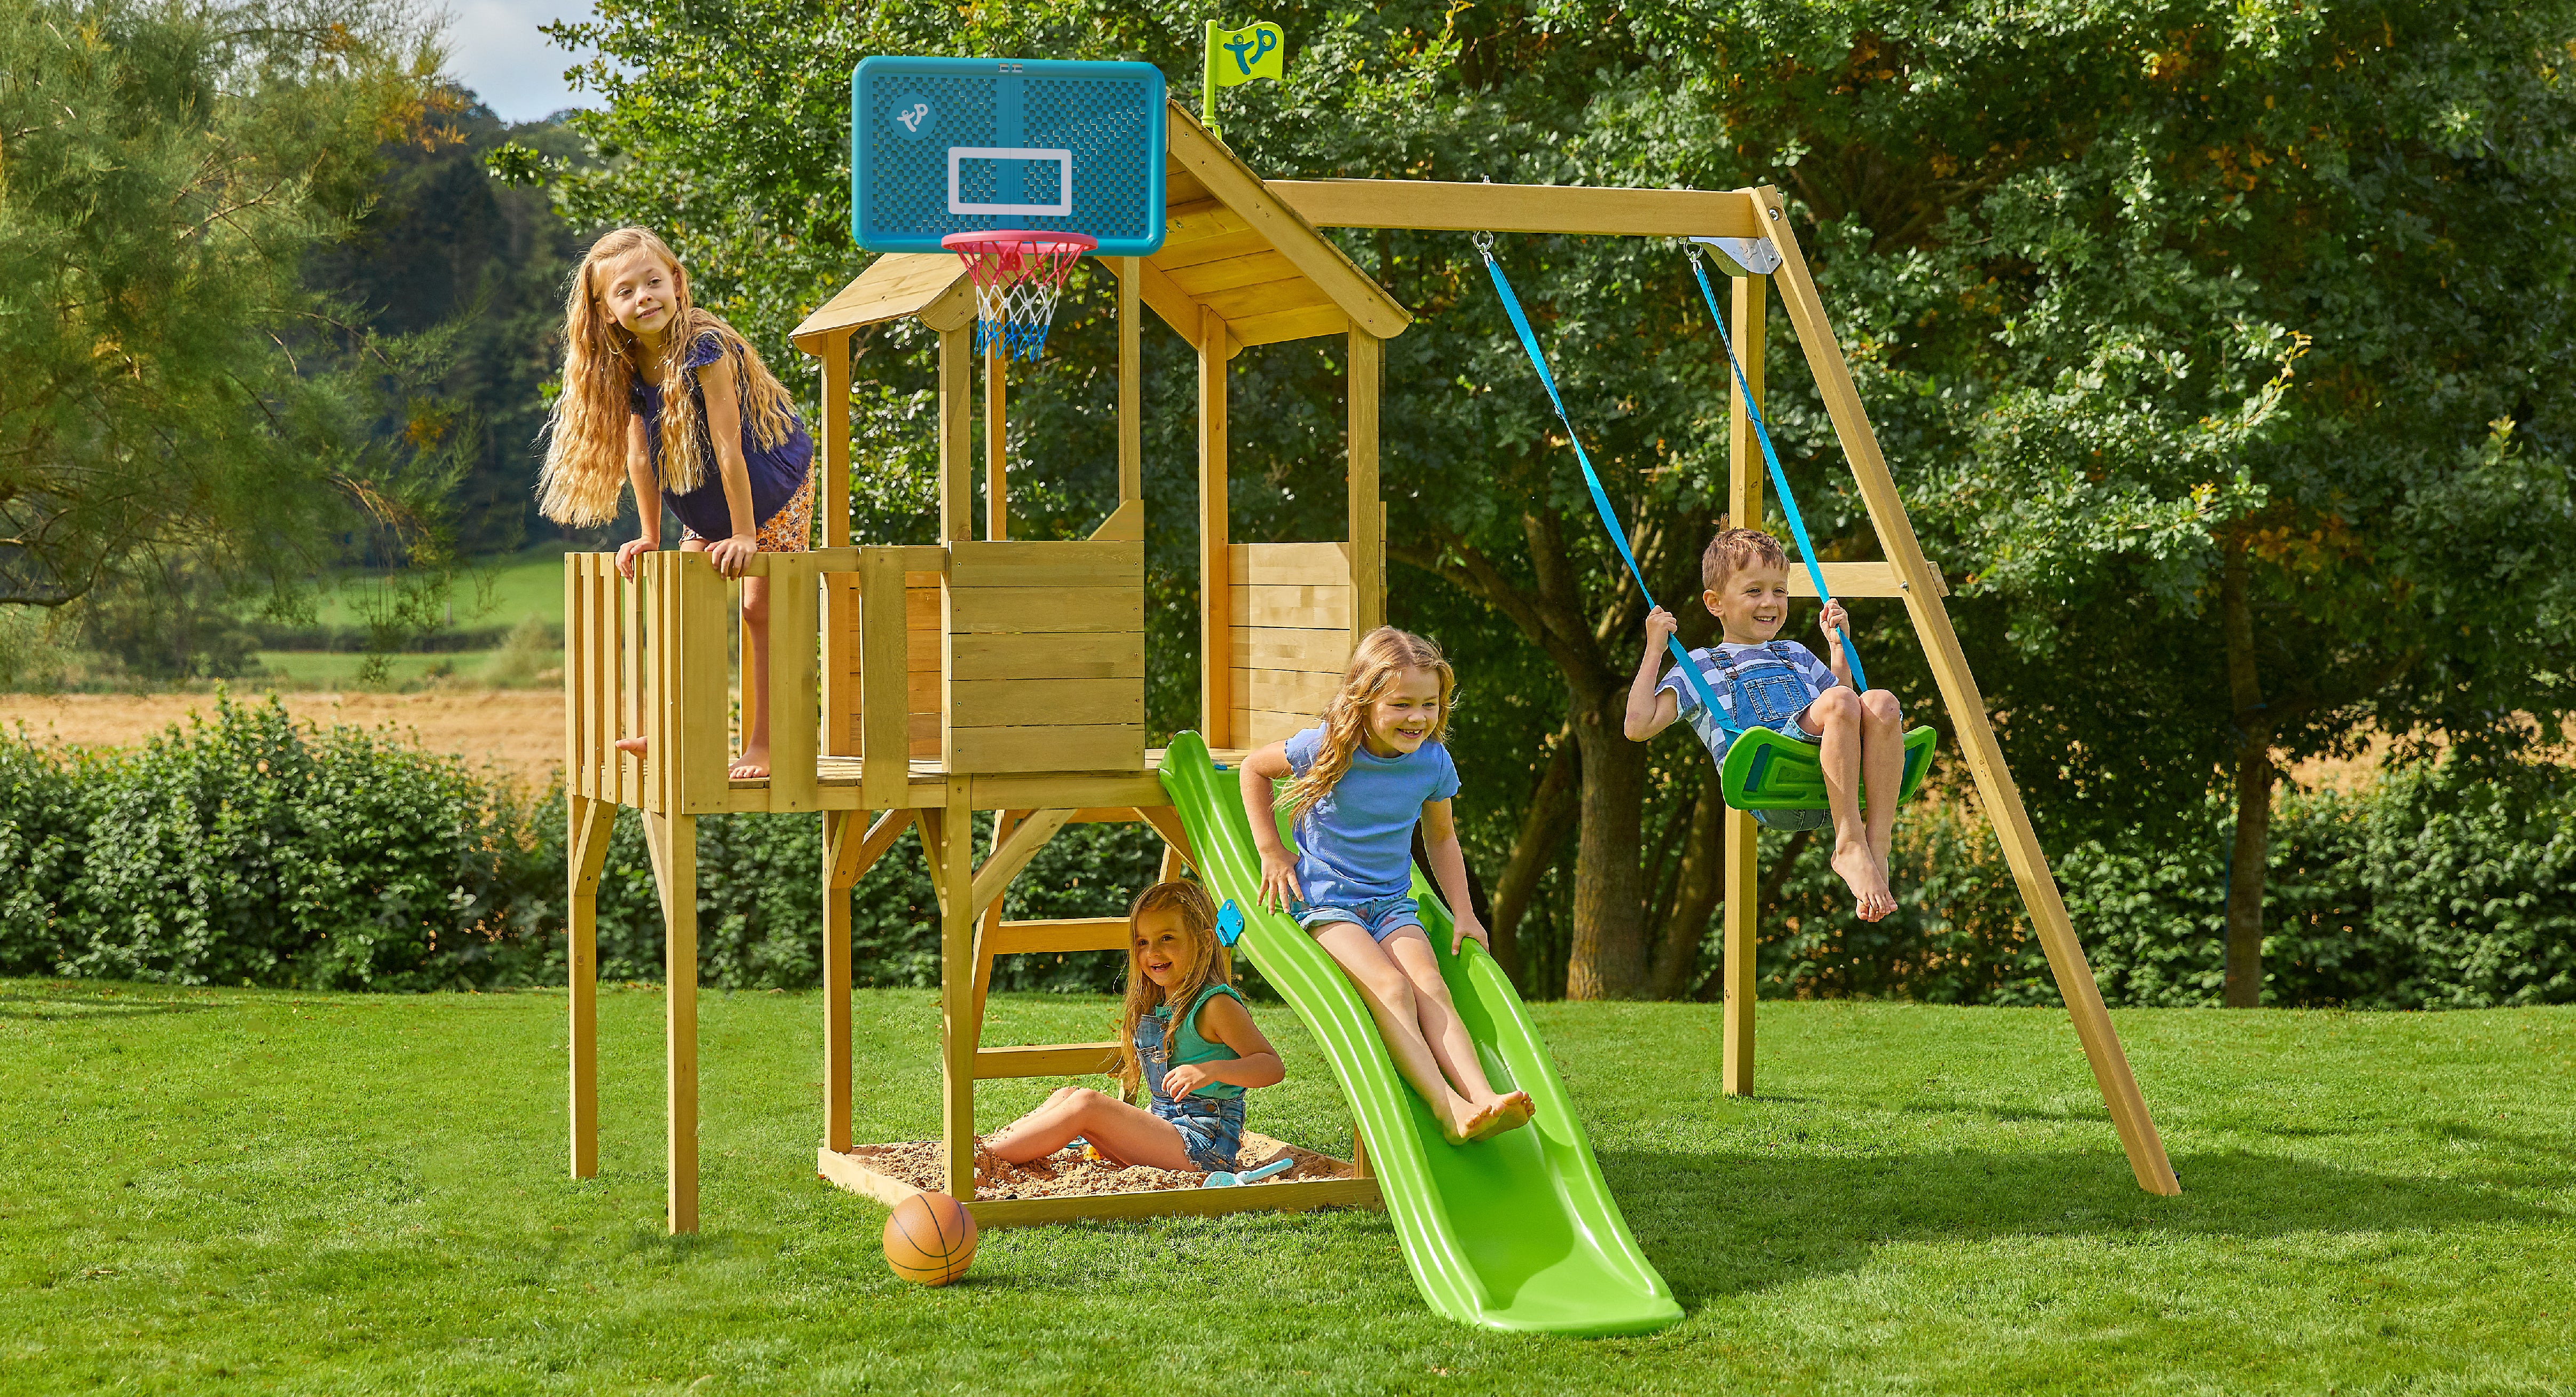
1193,1065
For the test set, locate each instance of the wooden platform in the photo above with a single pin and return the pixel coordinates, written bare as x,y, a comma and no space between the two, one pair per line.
1354,1190
837,781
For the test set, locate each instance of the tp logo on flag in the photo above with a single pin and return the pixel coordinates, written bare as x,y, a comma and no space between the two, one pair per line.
1251,53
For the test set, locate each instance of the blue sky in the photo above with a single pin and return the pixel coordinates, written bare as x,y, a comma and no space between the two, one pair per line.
495,49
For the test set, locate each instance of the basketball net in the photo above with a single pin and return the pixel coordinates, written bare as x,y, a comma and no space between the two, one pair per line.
1018,274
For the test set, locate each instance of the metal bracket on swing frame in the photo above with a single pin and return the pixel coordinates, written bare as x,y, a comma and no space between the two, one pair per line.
1743,256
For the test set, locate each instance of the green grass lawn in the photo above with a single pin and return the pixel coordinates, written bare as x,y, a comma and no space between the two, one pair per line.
520,585
218,1190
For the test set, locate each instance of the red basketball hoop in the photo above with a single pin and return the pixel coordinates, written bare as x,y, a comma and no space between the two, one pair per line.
1018,273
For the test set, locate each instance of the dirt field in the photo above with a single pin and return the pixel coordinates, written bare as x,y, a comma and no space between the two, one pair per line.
518,730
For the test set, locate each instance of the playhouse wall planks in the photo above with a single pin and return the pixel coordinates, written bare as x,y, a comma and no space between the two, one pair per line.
1008,606
885,746
795,678
1959,692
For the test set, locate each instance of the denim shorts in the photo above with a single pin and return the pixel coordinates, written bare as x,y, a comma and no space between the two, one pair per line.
1380,917
1211,1130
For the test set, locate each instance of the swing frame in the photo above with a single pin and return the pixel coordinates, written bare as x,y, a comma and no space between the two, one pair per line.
1760,213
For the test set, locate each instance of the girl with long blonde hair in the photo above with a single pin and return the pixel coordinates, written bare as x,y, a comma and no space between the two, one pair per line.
1185,1037
725,452
1359,782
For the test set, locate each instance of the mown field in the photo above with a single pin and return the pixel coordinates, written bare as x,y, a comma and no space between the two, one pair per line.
209,1190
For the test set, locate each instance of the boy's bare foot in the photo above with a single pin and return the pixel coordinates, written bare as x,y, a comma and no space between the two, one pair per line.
754,762
1511,1112
1860,871
631,744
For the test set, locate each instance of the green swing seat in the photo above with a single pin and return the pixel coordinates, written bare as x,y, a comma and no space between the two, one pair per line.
1771,776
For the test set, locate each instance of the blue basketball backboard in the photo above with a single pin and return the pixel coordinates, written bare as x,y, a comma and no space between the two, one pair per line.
954,145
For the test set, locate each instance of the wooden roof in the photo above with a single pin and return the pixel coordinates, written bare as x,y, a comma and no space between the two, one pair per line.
1231,246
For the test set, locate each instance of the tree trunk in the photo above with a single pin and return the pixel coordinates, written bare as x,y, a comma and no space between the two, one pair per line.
2254,772
1696,894
1551,812
1608,956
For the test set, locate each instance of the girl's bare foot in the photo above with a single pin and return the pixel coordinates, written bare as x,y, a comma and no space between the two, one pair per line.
754,762
1860,871
1511,1112
1474,1122
631,744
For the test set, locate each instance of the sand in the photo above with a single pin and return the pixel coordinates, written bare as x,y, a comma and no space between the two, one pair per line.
518,731
1067,1173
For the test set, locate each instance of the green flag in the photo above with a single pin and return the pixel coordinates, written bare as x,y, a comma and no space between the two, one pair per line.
1236,57
1245,54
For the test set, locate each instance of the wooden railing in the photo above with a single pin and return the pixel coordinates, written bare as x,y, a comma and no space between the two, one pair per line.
655,657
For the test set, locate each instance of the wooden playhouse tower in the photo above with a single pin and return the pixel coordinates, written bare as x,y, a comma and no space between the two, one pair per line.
993,674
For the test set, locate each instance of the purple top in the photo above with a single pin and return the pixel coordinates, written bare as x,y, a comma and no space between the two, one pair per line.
777,472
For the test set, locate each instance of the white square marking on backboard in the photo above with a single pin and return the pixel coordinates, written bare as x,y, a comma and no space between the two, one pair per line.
957,155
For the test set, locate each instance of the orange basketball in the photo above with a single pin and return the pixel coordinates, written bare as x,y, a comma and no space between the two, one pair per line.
929,1239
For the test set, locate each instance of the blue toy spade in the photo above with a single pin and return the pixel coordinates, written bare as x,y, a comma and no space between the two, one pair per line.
1226,1179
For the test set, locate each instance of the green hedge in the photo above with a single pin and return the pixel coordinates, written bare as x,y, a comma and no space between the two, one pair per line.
2450,885
245,848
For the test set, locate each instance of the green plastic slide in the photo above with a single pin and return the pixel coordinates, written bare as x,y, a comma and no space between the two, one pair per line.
1517,1232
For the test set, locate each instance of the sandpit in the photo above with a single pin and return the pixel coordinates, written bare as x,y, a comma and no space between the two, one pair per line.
1066,1173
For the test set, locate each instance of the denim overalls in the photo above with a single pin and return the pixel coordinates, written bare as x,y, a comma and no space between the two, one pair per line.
1769,693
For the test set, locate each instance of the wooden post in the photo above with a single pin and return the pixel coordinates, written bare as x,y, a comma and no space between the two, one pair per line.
1131,378
674,842
1368,512
589,823
1741,838
997,485
840,829
1977,744
1216,609
956,436
952,866
834,497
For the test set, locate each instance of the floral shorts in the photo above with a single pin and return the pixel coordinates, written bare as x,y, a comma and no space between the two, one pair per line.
790,530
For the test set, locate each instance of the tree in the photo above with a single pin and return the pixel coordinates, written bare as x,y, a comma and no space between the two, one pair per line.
168,388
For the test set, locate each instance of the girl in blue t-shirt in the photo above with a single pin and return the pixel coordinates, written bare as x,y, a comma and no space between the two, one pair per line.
1186,1039
668,398
1362,778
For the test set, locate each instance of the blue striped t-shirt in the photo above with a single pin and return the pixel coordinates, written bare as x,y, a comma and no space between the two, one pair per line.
1811,670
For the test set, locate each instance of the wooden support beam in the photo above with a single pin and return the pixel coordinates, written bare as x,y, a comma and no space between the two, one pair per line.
997,440
956,435
885,720
1984,755
840,833
589,822
1048,1060
1167,823
1131,379
857,856
1521,208
1012,854
834,498
673,840
1215,615
1740,838
1367,511
952,870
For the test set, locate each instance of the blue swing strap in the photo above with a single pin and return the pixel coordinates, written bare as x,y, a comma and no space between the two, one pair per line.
1770,458
1592,478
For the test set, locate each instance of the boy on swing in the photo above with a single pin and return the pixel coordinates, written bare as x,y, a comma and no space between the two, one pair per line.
1765,682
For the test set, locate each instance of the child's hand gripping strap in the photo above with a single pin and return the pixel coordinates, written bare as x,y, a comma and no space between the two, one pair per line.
1771,458
1591,478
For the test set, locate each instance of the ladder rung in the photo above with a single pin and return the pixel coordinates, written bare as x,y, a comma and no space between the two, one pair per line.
1065,934
1047,1060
